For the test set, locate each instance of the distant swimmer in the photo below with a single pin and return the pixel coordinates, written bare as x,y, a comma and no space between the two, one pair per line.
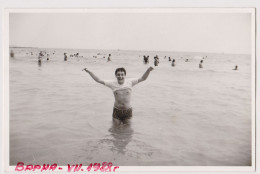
170,59
65,57
186,60
200,65
236,68
122,90
109,58
12,54
41,54
173,62
146,59
165,57
156,60
40,57
39,63
48,56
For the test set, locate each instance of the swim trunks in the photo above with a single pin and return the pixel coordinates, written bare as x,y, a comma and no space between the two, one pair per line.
122,114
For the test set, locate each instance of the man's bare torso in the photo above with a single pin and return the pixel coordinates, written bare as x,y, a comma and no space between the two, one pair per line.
123,98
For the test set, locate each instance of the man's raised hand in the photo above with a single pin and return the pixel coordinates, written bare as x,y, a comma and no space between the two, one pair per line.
85,69
150,68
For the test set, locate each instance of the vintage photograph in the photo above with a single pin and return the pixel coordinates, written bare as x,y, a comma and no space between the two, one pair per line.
134,87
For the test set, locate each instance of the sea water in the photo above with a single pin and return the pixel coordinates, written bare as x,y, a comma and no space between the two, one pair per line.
182,115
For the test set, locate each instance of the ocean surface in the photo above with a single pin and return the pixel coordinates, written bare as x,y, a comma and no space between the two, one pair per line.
182,115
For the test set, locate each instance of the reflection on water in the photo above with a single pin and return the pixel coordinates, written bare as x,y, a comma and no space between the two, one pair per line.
122,134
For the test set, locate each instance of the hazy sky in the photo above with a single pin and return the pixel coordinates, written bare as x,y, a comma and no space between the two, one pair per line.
192,32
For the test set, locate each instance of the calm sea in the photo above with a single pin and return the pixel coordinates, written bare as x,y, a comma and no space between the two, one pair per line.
182,115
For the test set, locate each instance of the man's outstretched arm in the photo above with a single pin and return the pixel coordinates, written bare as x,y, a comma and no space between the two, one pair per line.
146,74
94,76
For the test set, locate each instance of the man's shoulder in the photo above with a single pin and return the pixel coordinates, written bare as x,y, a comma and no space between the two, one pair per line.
132,81
110,80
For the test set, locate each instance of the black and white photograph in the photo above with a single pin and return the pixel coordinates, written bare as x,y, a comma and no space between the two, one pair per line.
165,87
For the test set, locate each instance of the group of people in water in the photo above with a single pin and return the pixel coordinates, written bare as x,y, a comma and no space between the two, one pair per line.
71,55
156,60
42,54
108,58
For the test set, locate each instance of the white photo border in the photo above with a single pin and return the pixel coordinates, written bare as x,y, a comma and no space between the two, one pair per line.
6,13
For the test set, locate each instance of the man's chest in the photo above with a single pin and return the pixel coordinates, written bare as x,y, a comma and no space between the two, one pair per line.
123,92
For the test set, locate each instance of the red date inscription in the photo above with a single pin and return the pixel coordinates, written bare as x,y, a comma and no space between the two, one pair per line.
104,167
20,167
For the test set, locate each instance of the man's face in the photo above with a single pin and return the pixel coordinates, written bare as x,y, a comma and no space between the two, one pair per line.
120,75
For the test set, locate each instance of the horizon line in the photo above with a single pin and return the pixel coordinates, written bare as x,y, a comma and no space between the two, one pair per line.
12,46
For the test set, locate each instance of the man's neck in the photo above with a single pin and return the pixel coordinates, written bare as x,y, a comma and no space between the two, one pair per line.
121,83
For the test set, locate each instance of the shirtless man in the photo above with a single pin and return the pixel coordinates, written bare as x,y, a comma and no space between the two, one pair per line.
122,89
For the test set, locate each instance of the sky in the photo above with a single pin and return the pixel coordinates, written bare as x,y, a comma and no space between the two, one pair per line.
185,32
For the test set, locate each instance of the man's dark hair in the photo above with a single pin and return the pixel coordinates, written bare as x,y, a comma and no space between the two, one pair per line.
120,69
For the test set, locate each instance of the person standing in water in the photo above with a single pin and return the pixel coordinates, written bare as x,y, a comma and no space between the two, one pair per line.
200,65
40,56
236,68
146,59
109,59
156,60
12,54
65,57
122,90
173,62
